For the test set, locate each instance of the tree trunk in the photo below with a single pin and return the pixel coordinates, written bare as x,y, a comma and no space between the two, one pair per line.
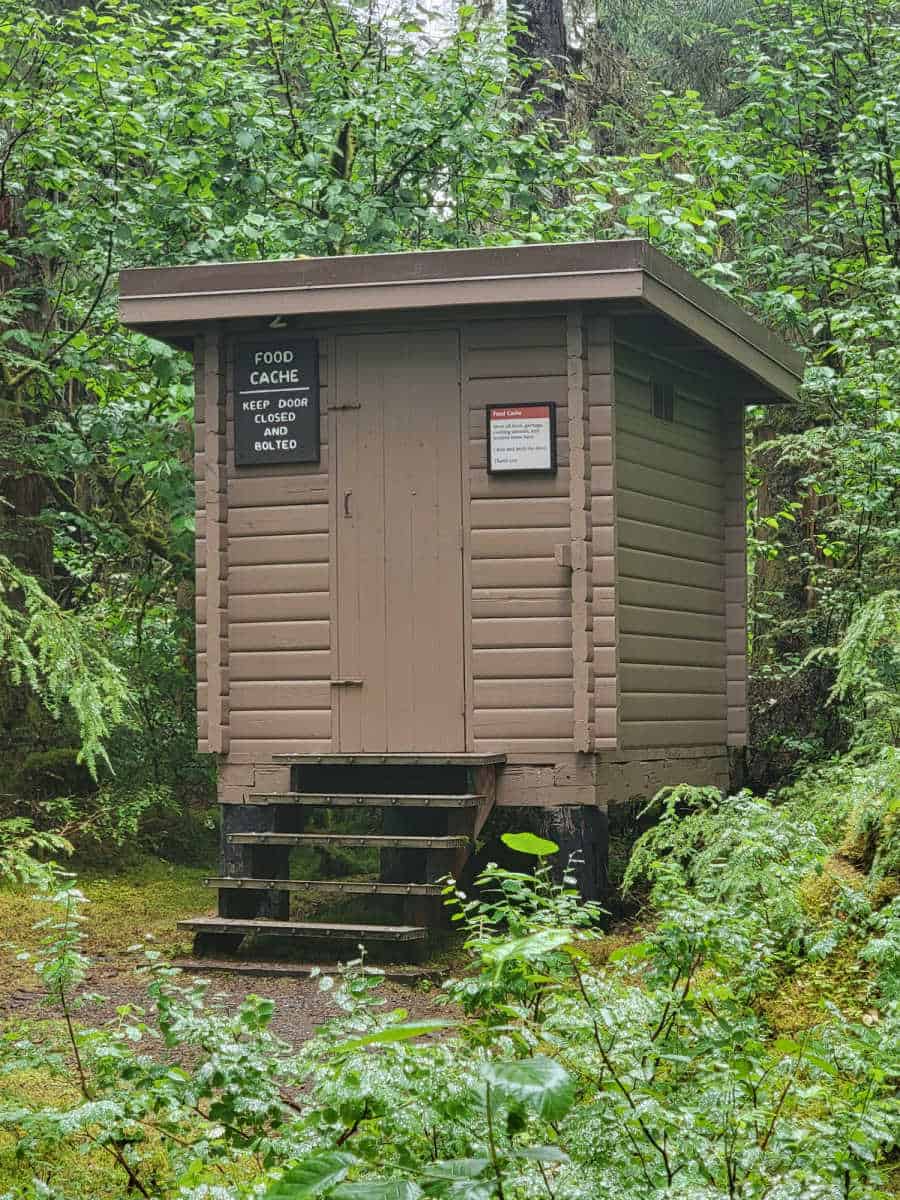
540,34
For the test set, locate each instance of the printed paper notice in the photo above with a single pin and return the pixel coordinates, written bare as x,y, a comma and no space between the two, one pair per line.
520,438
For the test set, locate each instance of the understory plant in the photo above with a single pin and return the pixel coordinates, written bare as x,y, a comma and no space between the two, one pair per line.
61,656
562,1070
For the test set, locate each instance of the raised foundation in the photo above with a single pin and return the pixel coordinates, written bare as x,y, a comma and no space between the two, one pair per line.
570,801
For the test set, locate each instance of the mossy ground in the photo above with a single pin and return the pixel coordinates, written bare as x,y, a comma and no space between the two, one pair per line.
145,900
841,979
78,1166
148,898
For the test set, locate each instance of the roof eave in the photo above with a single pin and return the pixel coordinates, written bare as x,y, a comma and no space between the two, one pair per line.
333,300
169,302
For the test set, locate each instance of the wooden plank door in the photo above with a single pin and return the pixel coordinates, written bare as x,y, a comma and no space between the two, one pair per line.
399,579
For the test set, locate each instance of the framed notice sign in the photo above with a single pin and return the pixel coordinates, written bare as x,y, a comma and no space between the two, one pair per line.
521,437
276,400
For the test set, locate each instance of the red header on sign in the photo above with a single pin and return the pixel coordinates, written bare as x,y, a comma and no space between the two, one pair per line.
534,411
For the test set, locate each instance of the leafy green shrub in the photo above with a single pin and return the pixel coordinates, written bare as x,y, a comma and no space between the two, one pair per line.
520,930
872,837
883,949
854,804
20,846
46,773
61,656
120,822
867,670
724,875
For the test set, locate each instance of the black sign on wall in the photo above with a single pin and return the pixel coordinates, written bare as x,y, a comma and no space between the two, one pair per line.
276,400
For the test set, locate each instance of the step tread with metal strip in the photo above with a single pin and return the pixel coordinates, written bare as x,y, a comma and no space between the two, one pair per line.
309,929
350,887
375,841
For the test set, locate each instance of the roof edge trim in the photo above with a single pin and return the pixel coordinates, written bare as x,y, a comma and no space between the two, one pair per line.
629,270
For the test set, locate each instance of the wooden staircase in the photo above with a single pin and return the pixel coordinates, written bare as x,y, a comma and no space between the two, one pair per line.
418,815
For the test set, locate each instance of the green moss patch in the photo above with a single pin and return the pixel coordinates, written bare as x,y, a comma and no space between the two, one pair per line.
145,900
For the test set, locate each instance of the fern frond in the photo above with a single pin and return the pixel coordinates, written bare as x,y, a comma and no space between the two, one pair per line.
60,655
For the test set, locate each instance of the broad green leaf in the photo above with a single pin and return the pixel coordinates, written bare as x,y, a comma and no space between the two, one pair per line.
546,1154
377,1189
395,1033
635,951
816,1060
462,1189
539,1082
531,946
457,1168
311,1176
529,843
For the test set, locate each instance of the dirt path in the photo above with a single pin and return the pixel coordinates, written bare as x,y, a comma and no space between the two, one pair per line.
301,1005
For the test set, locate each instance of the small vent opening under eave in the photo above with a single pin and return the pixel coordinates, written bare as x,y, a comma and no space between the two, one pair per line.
663,401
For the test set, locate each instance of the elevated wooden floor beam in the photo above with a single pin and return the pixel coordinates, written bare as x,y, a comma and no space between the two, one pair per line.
355,799
392,760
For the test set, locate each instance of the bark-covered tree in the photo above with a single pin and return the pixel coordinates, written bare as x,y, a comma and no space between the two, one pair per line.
541,43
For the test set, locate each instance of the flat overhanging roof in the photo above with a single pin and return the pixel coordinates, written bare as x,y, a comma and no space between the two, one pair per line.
172,302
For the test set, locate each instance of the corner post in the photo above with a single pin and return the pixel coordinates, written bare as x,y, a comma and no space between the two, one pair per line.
603,518
580,527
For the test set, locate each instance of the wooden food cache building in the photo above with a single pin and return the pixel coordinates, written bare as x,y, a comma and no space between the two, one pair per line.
470,533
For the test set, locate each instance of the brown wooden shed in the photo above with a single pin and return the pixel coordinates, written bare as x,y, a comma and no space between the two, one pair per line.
470,532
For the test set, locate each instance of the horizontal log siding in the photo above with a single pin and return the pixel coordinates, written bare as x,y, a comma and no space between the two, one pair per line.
603,533
212,551
278,601
519,596
200,545
671,558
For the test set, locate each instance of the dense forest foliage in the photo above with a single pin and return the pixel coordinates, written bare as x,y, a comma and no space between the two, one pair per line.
745,1043
754,142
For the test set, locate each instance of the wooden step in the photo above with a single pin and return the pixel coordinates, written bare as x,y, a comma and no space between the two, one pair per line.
374,841
392,760
348,887
307,929
294,970
361,799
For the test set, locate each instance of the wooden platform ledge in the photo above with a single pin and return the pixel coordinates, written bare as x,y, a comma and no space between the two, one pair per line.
357,799
392,760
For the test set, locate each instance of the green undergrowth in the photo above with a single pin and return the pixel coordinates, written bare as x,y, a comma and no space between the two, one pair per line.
148,898
84,1167
739,1038
75,1168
